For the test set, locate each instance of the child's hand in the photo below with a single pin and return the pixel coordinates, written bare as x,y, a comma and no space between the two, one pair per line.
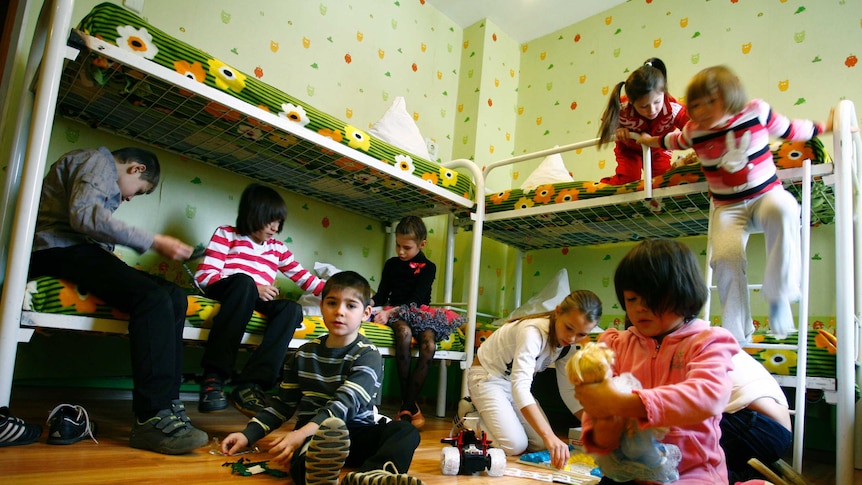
382,316
559,452
284,447
648,140
234,443
267,292
597,398
622,134
171,247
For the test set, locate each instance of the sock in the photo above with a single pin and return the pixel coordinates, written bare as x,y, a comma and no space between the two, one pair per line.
780,318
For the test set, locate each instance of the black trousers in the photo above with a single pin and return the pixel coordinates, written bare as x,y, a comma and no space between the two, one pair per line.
748,434
371,446
157,314
239,298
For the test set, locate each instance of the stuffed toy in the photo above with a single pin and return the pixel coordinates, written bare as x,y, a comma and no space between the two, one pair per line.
640,455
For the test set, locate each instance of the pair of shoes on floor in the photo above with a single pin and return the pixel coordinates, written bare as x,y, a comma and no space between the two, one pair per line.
249,399
327,452
380,477
167,433
416,419
14,431
212,396
68,424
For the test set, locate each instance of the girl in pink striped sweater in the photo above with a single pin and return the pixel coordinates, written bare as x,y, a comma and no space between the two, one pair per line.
239,269
730,135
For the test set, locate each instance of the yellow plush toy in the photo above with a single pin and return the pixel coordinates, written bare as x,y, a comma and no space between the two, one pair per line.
591,364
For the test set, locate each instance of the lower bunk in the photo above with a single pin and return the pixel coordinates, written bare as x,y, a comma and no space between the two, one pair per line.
52,303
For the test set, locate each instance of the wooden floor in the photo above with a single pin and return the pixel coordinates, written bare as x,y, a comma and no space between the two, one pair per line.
113,461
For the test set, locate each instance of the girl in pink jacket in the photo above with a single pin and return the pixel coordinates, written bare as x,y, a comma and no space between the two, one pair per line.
681,361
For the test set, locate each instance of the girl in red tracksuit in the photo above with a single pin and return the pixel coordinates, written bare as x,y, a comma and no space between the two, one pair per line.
649,109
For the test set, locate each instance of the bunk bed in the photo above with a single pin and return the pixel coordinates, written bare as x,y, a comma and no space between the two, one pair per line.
676,204
118,73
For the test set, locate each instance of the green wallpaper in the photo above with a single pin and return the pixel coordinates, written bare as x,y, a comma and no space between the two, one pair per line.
799,56
480,95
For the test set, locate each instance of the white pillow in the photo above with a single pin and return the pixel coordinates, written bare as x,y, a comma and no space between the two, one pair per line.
546,300
397,128
552,170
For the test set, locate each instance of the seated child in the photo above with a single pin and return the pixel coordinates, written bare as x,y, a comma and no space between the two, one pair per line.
682,362
330,383
74,239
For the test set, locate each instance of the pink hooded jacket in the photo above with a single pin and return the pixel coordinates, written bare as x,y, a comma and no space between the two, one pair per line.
686,388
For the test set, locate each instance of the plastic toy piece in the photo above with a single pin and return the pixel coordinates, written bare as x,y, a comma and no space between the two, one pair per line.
246,468
471,454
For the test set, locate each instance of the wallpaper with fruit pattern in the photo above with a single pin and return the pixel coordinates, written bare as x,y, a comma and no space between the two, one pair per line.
478,94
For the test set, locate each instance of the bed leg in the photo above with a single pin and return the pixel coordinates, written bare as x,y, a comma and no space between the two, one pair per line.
441,390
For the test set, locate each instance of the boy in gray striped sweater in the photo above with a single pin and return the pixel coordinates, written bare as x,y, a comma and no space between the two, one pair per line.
331,383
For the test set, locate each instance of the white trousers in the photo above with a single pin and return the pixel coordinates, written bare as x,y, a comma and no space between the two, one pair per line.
501,421
776,215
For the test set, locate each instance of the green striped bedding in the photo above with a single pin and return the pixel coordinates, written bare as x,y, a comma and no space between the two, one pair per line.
671,216
52,295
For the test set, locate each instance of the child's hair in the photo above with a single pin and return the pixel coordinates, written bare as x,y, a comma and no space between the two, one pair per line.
348,280
585,301
718,80
665,274
652,76
258,206
146,158
412,226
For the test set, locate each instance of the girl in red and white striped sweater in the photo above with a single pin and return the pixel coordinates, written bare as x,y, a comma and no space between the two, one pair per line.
730,135
239,269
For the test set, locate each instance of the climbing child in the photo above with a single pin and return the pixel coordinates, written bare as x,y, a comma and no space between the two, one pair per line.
648,109
405,294
730,135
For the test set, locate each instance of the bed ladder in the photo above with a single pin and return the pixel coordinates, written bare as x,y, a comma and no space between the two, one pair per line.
797,411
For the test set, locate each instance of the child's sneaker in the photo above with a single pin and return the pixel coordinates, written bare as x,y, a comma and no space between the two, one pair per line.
380,477
69,424
249,399
168,434
212,394
179,410
466,417
14,431
327,451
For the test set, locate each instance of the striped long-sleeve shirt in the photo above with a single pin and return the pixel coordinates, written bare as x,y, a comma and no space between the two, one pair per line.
710,145
319,382
229,253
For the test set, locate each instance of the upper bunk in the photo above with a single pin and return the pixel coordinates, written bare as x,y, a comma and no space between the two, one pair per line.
134,80
584,213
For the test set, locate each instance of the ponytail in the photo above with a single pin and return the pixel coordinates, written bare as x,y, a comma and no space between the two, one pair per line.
611,116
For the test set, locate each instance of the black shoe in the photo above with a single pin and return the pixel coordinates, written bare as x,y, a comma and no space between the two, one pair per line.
168,434
212,395
69,424
249,399
14,431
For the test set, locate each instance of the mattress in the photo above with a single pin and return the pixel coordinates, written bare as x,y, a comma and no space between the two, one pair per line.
135,80
585,213
59,297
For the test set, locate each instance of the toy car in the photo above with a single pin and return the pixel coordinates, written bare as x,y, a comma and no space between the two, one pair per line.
470,454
